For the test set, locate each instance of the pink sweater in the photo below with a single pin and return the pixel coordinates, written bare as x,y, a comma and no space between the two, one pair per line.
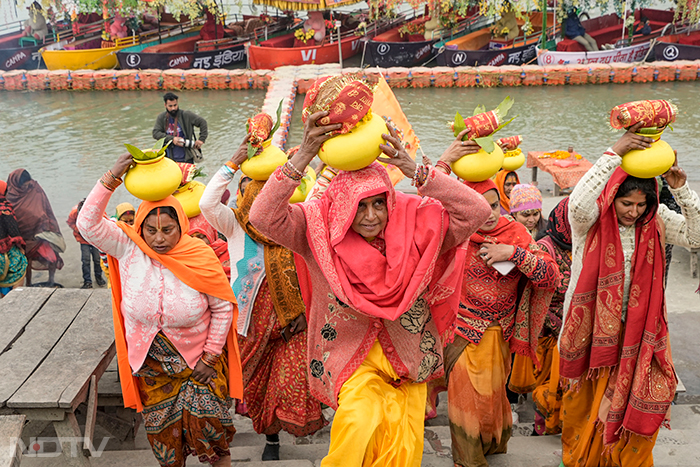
153,299
340,337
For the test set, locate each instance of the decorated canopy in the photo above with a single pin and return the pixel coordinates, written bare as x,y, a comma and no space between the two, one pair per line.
305,4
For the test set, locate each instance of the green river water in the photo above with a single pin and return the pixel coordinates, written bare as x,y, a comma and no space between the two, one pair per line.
67,140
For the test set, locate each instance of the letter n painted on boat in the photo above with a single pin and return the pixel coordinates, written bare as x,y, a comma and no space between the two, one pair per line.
307,55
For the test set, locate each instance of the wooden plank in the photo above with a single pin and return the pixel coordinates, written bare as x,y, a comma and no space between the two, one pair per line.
91,414
70,399
17,308
40,336
68,433
67,369
10,434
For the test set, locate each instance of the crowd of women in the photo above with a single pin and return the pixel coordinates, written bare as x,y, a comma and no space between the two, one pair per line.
369,301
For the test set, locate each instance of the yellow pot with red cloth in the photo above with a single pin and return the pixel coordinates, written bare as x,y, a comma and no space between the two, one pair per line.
189,196
302,191
153,179
358,148
513,160
260,167
479,166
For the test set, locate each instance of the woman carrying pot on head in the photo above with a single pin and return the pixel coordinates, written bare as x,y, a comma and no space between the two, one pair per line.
614,347
37,224
548,393
501,312
173,308
272,323
384,269
505,181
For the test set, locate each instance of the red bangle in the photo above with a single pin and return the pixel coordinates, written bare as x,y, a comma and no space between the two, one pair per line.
445,166
210,360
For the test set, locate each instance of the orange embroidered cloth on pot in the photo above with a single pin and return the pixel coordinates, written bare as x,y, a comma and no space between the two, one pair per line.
259,128
645,384
658,113
346,98
510,143
195,264
386,286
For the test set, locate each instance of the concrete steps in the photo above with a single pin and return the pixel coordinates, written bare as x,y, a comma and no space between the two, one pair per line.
677,447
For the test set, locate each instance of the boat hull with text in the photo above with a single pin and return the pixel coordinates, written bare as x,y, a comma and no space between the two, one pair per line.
685,46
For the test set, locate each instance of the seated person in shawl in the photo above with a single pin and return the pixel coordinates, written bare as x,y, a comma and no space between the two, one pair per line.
384,268
272,325
614,346
173,308
548,393
37,224
13,263
35,26
499,314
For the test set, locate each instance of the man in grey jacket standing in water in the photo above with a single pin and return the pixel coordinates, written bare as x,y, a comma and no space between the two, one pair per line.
177,125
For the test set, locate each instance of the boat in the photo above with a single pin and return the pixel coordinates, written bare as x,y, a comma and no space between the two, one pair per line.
672,47
608,29
96,54
394,49
191,51
480,48
281,50
18,51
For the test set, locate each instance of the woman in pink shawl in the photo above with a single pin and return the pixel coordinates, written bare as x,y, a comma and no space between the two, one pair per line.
383,267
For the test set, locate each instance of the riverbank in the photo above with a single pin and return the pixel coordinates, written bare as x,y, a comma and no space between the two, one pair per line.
417,77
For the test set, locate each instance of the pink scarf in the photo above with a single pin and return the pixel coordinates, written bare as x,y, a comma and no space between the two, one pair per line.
360,275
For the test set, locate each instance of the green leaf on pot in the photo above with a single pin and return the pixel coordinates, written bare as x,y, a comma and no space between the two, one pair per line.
486,143
649,130
251,151
279,120
504,107
135,152
479,110
163,149
503,125
159,145
459,125
302,185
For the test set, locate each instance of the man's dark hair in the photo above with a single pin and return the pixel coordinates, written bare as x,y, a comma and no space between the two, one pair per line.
169,96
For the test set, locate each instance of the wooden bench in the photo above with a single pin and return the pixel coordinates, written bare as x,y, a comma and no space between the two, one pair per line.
10,432
55,344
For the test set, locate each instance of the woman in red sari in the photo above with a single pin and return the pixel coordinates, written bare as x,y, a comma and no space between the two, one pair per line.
495,318
37,224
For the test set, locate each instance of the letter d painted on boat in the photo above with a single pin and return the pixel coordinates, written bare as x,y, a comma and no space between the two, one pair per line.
307,55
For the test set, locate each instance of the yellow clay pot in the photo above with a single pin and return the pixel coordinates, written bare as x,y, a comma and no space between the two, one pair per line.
189,196
304,188
513,160
480,166
260,167
153,180
358,148
650,162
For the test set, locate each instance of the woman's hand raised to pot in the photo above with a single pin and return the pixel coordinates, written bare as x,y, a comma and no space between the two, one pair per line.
396,154
459,148
675,176
122,166
630,140
315,134
241,154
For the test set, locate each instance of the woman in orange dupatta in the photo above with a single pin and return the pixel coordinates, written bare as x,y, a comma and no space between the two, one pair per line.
614,346
173,308
505,181
499,313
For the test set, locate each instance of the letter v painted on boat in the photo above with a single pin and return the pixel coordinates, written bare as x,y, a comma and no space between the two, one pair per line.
307,55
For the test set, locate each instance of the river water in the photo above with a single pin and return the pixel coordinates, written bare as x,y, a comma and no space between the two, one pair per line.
67,140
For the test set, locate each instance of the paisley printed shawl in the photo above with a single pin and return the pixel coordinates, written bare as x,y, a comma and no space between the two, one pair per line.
533,302
645,383
279,262
385,286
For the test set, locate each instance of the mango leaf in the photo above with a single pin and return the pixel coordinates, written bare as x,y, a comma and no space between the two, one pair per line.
135,152
302,185
251,151
504,107
648,130
163,149
198,173
479,110
279,120
486,143
159,145
503,125
459,124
